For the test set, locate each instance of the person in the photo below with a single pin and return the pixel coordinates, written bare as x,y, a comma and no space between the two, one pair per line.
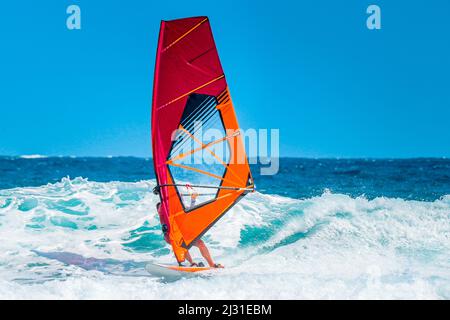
162,220
198,243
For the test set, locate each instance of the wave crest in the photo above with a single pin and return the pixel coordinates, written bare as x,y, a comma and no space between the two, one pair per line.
329,246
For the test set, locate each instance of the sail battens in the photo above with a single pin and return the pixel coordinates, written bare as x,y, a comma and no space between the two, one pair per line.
249,188
185,34
198,171
208,145
196,89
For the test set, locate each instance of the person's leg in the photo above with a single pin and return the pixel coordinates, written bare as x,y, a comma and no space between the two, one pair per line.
189,258
204,251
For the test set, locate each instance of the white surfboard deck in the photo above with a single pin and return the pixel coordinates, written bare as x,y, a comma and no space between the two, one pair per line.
172,272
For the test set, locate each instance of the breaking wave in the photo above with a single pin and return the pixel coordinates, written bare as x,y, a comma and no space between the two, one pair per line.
78,239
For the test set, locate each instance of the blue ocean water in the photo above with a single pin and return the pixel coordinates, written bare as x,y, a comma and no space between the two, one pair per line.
80,228
418,179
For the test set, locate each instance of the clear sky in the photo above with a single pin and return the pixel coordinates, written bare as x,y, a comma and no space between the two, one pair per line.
310,68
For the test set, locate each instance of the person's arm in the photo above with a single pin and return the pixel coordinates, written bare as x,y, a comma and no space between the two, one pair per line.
193,194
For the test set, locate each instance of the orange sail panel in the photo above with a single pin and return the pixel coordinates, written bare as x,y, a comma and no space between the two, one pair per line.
198,152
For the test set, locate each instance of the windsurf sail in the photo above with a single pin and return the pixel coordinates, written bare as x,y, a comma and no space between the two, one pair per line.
198,152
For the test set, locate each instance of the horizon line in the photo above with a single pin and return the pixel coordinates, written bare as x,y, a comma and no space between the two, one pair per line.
40,157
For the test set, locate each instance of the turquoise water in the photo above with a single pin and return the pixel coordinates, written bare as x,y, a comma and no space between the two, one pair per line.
321,229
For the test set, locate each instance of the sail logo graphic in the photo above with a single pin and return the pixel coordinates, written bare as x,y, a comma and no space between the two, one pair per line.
73,21
374,20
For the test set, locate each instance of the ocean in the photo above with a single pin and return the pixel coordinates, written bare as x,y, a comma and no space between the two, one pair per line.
84,228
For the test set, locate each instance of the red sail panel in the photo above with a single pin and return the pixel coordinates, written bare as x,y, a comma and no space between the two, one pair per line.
189,86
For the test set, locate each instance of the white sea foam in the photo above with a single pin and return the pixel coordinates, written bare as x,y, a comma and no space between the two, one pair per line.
33,156
331,246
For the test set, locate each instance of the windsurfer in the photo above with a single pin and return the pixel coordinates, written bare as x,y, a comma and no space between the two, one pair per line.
199,243
165,229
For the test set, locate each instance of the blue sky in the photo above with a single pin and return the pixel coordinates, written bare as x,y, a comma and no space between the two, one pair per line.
310,68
